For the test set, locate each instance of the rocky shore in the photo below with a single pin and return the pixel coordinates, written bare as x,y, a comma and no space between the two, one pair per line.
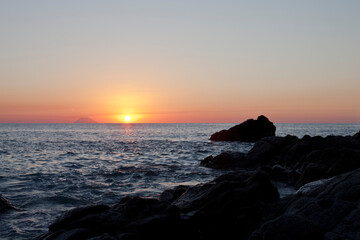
244,203
293,160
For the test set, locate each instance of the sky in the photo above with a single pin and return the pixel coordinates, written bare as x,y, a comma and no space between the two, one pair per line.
179,61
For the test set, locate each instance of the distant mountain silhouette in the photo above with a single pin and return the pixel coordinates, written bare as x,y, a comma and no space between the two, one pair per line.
85,120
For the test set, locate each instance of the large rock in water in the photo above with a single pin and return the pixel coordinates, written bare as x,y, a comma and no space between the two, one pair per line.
229,206
249,131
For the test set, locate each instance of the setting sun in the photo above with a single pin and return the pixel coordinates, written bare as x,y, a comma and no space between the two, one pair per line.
127,118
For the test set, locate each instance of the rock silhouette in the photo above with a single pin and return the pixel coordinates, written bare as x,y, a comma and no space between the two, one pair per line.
249,131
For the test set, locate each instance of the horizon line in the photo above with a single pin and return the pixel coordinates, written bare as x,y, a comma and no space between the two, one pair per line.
125,123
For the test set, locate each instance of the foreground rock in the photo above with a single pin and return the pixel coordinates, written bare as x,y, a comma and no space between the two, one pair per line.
307,159
5,204
231,205
225,160
357,135
329,211
248,131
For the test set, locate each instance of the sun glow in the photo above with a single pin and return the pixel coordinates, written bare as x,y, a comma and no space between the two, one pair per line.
127,118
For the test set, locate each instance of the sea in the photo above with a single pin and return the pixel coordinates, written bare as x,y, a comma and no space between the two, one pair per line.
47,169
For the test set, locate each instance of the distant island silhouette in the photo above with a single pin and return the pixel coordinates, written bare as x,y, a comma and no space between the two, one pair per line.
85,120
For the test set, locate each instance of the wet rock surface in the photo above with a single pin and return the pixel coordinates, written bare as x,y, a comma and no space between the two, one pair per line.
249,131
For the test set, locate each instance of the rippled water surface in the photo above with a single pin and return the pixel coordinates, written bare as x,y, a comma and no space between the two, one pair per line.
46,169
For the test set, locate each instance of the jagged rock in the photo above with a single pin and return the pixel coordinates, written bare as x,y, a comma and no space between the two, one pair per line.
269,149
357,135
324,210
317,157
171,195
304,160
280,174
248,131
224,160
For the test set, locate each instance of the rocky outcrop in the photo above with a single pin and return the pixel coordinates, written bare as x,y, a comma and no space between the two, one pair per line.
357,135
225,160
328,210
248,131
231,205
312,157
5,204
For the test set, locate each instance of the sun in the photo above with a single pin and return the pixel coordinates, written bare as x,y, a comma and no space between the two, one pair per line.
127,118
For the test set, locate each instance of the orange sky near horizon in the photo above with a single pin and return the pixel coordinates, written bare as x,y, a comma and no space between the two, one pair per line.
150,98
150,108
179,62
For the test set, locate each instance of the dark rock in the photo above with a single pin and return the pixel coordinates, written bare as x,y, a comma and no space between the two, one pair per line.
357,135
224,160
302,160
326,210
232,204
231,209
71,217
301,229
228,184
248,131
170,195
268,150
5,205
318,158
278,173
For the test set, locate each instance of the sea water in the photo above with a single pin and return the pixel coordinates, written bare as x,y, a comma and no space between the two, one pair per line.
46,169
